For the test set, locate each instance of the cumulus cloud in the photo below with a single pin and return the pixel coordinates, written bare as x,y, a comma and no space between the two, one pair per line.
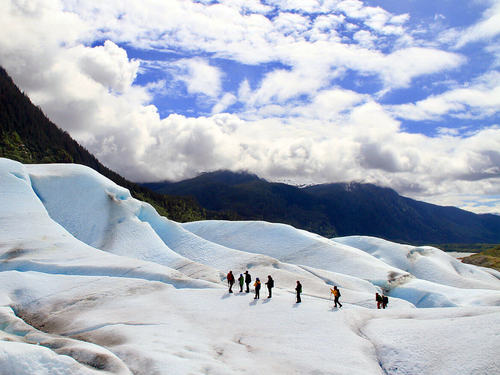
199,76
108,65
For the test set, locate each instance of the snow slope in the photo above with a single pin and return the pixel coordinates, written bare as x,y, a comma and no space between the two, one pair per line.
295,246
93,281
424,262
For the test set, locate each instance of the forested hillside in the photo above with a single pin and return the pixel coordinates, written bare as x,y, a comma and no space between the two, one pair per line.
28,136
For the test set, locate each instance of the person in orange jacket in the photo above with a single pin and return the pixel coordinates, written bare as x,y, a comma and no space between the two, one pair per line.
257,288
336,296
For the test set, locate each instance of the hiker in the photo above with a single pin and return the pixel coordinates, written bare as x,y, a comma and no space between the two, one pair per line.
378,298
298,289
385,301
241,280
336,296
270,285
230,281
257,288
248,280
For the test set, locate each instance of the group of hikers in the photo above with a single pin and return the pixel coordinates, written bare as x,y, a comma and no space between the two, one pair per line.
246,279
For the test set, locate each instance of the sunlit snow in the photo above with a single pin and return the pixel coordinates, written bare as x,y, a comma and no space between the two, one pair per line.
93,281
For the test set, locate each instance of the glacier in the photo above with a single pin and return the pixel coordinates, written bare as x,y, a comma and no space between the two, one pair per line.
93,281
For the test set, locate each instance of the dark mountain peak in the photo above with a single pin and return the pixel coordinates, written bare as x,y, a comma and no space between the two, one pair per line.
220,178
356,188
227,177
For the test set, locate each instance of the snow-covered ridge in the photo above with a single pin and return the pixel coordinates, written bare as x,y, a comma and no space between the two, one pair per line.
95,281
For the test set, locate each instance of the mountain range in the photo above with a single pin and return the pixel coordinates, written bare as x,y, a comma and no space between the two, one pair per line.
339,209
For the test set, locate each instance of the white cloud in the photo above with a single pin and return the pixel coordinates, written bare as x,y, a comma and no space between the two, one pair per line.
494,50
226,101
199,76
477,203
400,67
282,85
290,24
365,39
486,29
297,5
254,6
108,65
479,100
375,18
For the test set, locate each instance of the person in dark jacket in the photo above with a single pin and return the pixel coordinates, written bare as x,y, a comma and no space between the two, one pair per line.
298,289
378,298
270,285
248,280
241,280
257,286
385,301
336,296
230,281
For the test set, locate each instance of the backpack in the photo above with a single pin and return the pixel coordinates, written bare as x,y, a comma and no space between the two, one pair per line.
385,300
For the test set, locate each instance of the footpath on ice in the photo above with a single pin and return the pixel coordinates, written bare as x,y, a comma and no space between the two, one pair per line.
93,281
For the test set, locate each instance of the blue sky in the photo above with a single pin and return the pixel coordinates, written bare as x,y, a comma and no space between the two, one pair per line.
404,94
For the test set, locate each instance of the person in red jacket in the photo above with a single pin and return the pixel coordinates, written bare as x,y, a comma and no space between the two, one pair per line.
230,281
378,298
